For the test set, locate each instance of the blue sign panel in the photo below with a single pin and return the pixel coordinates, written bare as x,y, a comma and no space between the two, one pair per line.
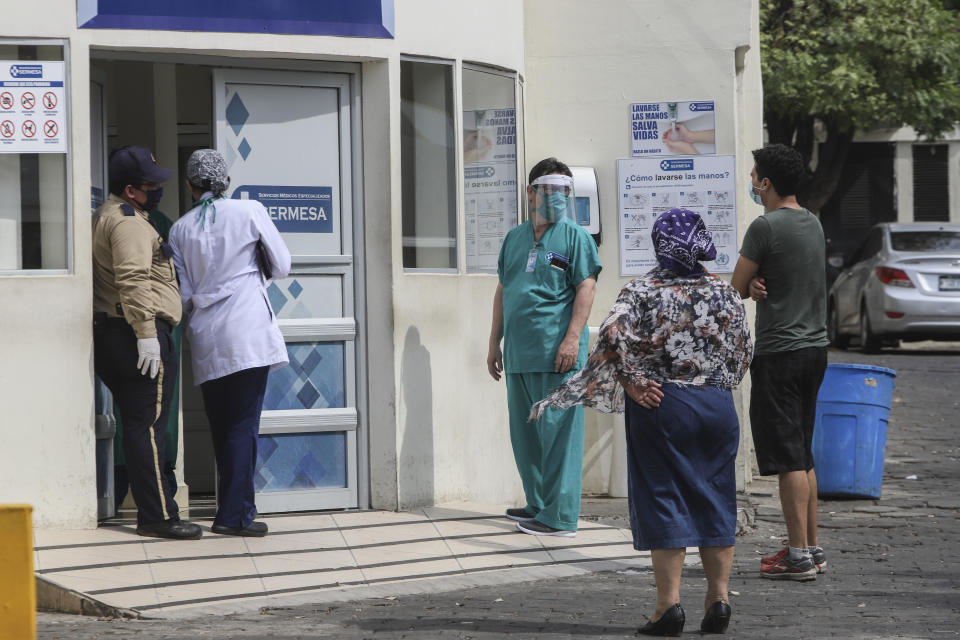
293,209
357,18
685,164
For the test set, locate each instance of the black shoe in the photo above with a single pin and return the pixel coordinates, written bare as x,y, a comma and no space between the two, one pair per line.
669,624
717,618
537,528
519,515
173,528
252,530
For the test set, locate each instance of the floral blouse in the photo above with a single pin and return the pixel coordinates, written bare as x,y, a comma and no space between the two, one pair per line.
666,328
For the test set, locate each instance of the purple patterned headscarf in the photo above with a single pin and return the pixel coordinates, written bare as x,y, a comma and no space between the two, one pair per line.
681,241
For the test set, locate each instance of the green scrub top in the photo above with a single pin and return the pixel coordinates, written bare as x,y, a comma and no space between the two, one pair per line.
538,303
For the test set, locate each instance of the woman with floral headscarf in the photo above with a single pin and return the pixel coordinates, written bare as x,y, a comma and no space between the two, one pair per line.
677,342
234,338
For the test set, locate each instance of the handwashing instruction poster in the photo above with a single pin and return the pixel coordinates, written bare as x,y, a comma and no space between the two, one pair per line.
489,184
649,186
672,128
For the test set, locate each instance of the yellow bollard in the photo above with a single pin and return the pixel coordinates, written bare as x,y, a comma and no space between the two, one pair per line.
18,589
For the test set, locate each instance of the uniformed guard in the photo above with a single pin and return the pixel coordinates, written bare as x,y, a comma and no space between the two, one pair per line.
136,304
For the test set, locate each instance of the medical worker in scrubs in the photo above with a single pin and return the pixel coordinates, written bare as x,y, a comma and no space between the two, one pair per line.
548,270
234,338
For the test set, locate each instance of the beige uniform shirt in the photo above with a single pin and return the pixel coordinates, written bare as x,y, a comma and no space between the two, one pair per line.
132,278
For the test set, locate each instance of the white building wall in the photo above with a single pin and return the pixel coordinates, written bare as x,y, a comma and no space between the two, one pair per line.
584,70
437,422
47,337
46,347
451,428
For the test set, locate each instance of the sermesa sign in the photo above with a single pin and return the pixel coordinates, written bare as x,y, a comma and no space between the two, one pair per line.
293,209
677,165
26,70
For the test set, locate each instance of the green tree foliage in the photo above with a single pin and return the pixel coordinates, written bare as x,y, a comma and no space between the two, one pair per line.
855,65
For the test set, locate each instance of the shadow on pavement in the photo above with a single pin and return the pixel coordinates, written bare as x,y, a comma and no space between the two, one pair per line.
520,628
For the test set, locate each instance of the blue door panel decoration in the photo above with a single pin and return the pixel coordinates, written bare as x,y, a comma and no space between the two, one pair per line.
302,297
288,462
314,379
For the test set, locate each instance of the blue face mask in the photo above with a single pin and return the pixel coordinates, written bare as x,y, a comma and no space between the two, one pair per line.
753,194
552,206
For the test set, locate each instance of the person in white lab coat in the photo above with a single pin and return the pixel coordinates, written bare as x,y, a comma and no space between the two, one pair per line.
234,338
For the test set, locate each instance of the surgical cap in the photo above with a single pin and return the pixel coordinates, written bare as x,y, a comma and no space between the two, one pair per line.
207,169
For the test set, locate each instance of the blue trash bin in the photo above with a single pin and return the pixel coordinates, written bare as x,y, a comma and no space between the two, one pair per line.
850,435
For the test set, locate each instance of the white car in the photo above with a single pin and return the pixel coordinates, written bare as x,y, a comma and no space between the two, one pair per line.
903,283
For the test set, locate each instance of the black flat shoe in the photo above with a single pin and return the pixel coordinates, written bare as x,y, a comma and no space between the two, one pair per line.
717,618
669,624
175,529
252,530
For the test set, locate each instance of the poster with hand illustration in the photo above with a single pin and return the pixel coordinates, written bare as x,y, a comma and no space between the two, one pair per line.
649,186
489,184
673,128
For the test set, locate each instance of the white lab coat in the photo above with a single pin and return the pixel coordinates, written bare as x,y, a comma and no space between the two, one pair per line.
229,321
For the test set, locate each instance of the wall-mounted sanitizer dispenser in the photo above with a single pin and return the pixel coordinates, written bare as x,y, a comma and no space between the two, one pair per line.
587,200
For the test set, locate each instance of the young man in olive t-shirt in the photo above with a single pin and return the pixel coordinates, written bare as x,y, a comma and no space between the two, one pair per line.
782,268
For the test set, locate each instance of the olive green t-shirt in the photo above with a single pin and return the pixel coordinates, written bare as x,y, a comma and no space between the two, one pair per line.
788,245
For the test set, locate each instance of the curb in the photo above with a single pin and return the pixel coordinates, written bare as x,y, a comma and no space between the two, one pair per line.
56,598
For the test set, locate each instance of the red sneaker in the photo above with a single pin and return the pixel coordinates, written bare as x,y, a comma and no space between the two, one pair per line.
819,558
775,558
787,569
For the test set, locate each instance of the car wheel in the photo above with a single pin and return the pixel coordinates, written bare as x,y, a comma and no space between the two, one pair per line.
837,339
868,342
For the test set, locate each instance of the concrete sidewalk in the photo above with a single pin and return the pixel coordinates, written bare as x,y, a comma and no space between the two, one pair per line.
316,557
894,568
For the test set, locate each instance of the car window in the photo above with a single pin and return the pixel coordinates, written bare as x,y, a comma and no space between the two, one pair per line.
925,240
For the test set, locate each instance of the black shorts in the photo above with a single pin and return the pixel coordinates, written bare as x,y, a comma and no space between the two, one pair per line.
783,407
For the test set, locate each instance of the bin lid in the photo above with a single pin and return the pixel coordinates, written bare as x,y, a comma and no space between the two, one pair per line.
863,367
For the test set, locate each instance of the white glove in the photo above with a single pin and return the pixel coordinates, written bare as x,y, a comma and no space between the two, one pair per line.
149,350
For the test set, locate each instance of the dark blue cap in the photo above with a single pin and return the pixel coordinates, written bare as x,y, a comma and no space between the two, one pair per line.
136,165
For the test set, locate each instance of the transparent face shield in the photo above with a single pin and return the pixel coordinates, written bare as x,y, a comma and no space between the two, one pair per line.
553,197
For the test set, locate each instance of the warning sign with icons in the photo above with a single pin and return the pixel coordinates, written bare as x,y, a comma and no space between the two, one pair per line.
32,107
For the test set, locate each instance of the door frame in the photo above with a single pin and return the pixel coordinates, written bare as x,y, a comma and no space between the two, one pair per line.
352,71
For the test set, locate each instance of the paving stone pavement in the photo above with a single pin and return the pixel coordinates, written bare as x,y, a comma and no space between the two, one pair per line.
894,569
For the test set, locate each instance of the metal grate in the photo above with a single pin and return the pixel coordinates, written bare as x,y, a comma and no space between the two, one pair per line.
931,200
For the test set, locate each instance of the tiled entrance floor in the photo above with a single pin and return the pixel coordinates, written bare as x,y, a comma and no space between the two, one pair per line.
314,554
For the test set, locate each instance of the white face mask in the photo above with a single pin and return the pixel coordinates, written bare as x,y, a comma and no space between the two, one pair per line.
753,193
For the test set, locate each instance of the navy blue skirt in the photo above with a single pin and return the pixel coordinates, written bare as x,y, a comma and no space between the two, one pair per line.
682,479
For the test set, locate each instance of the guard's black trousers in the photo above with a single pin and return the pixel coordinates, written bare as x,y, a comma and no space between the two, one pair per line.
144,403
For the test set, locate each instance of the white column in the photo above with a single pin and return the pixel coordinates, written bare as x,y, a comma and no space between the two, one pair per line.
903,179
749,130
165,148
953,173
165,130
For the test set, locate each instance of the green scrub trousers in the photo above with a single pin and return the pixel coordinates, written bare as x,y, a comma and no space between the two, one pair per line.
549,452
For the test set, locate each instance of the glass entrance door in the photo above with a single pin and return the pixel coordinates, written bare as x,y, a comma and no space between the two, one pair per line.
287,140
